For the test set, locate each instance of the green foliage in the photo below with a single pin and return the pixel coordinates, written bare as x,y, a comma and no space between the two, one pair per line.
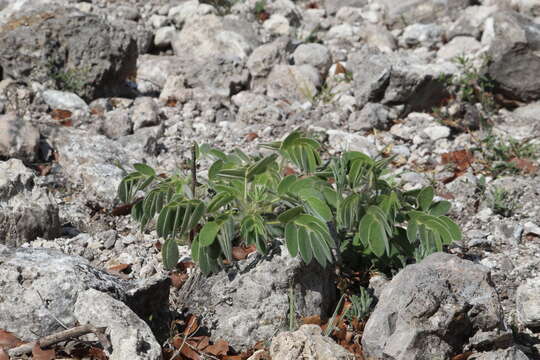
360,305
223,7
501,202
72,80
497,154
342,205
260,7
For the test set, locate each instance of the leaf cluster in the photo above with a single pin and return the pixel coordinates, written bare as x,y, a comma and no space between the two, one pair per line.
321,209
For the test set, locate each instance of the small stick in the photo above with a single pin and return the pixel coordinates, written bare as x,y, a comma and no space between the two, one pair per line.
56,338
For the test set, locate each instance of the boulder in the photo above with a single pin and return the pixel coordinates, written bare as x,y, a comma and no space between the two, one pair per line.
394,79
39,288
210,36
250,304
89,161
514,42
64,100
26,211
316,55
421,11
264,57
528,303
307,343
432,309
67,48
131,337
18,138
293,82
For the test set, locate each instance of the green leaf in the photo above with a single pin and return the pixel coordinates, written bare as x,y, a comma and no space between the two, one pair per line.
412,231
261,166
144,169
290,214
219,200
291,238
373,230
285,184
319,208
304,245
169,253
425,197
226,237
440,208
208,233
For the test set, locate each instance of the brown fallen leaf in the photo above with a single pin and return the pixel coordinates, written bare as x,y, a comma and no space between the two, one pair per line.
463,356
462,159
8,340
340,69
189,353
120,268
44,169
239,253
171,103
178,279
122,210
525,165
221,347
191,326
3,355
39,354
287,170
313,320
60,115
251,136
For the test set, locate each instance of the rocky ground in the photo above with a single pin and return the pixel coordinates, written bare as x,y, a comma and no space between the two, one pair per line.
451,88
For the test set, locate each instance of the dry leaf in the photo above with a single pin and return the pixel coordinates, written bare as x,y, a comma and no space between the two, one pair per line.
177,279
8,340
461,158
525,165
39,354
463,356
60,115
249,249
44,169
120,268
313,320
122,210
287,170
251,136
221,347
189,353
171,102
239,253
340,69
192,325
3,355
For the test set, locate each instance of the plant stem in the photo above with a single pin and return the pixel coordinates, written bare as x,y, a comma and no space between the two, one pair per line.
193,183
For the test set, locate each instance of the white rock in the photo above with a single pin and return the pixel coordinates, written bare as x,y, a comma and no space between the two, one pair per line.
131,338
164,36
437,132
64,100
277,24
528,303
344,141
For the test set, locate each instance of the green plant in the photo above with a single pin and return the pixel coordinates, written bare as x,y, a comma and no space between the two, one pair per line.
501,202
223,7
343,205
260,7
72,80
360,305
498,154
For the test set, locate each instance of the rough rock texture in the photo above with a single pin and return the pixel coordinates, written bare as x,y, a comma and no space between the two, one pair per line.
393,80
26,211
422,11
432,309
18,138
514,42
69,47
512,353
250,305
528,303
41,285
131,338
307,343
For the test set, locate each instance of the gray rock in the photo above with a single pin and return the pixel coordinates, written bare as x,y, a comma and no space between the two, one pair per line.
251,305
293,82
39,288
426,35
378,36
78,50
307,343
89,161
145,113
529,111
528,303
316,55
210,36
471,22
131,337
153,71
333,6
392,79
343,141
256,109
117,123
421,11
26,211
514,42
459,46
264,57
512,353
64,100
277,25
18,138
189,10
432,309
164,36
372,116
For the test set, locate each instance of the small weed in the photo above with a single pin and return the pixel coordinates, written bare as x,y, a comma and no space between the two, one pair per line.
501,202
498,154
360,305
223,7
72,80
